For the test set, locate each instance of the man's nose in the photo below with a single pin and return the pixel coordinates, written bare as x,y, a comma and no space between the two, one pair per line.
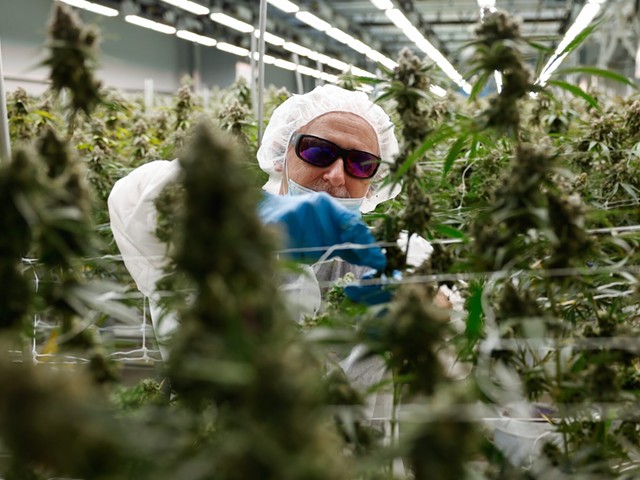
334,173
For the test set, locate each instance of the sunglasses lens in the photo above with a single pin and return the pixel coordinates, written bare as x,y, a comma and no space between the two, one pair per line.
316,151
322,153
362,164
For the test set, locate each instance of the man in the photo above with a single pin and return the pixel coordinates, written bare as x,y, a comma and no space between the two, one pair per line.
349,120
335,141
327,154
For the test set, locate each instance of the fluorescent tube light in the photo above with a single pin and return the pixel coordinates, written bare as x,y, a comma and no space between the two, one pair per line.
403,23
359,46
438,90
270,38
498,78
231,22
382,4
299,49
194,37
348,40
313,21
268,59
380,58
327,77
285,64
339,35
227,47
92,7
284,5
434,54
189,6
311,72
361,72
398,19
333,62
150,24
413,34
582,21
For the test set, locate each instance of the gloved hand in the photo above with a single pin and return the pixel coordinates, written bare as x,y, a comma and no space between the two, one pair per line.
372,294
317,220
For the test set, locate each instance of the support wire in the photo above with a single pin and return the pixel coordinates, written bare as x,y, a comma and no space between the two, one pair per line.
261,27
5,143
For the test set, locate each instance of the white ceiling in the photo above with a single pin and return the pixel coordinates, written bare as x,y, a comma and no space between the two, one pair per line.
447,24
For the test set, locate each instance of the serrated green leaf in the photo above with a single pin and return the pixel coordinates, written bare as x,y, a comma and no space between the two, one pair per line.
598,72
630,189
450,232
475,318
581,37
540,47
44,114
453,154
576,91
479,85
434,138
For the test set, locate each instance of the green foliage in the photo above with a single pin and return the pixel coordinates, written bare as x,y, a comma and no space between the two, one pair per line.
521,196
72,57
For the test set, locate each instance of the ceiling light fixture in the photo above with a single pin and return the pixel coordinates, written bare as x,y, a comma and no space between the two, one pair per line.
589,11
487,4
335,33
92,7
227,47
285,64
231,22
270,38
194,37
412,33
398,19
380,58
339,35
150,24
268,59
327,77
382,4
313,21
300,50
284,5
189,6
333,62
361,72
360,47
311,72
498,78
438,90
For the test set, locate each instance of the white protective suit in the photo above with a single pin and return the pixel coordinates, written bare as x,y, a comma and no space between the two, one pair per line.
133,222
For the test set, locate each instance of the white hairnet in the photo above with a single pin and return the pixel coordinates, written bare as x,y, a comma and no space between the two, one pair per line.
298,110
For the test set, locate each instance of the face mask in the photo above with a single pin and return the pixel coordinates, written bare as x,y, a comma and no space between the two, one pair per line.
351,204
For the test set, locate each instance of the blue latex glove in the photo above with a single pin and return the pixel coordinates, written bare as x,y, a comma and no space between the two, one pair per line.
317,220
373,294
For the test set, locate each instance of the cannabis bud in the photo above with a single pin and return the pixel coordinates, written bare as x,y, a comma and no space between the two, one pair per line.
72,58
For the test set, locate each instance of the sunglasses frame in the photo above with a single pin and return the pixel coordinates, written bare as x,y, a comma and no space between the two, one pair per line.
342,153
